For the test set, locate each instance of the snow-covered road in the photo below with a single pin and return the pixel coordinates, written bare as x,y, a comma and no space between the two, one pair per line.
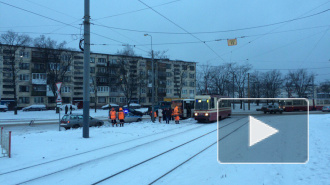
110,150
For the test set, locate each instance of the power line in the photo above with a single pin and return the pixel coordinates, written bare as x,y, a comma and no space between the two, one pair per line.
280,69
136,10
61,22
182,29
219,31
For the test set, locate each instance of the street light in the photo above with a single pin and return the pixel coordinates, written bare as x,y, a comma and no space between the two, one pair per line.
153,82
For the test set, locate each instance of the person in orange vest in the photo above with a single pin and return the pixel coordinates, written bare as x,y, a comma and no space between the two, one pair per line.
155,115
176,114
113,117
121,117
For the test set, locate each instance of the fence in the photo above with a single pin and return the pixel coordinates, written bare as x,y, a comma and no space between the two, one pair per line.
5,142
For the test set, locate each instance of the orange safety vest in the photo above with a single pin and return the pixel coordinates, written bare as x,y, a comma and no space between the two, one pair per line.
177,118
155,114
121,115
176,112
113,115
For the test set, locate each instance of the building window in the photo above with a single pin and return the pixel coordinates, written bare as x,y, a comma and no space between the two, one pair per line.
122,100
65,89
113,89
191,91
169,91
24,77
67,79
92,70
103,79
24,54
192,84
102,89
101,99
142,100
142,64
168,74
24,100
113,100
66,58
184,67
184,91
101,70
38,99
168,82
192,68
168,66
184,83
39,88
24,66
113,61
101,60
54,66
39,66
92,59
24,88
39,76
143,90
66,99
191,75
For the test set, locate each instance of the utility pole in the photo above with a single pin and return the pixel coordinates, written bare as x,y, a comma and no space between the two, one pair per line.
86,70
249,91
153,82
233,91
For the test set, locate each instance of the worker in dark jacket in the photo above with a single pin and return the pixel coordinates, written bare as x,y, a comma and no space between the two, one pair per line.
66,109
168,115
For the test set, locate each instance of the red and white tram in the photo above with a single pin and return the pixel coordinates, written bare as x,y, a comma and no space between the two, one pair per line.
301,105
206,108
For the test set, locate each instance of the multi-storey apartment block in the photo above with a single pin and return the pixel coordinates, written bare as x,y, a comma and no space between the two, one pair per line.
114,78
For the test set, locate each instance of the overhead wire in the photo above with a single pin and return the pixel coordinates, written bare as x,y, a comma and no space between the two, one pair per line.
136,10
182,29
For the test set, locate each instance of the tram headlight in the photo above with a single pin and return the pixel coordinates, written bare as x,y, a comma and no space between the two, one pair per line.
196,114
206,114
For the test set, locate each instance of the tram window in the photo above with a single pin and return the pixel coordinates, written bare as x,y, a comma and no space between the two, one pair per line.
212,103
288,103
297,102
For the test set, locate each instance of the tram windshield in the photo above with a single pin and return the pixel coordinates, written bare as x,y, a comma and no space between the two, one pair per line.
202,104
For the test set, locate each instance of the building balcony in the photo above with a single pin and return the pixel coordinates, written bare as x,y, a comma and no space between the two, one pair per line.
39,81
38,93
38,70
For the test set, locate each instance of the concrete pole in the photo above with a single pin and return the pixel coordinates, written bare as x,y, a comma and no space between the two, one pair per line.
153,83
86,71
233,91
248,91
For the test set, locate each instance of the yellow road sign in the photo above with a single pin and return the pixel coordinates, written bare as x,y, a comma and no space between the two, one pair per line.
232,42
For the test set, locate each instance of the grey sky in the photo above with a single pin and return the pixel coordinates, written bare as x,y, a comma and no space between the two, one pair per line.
303,43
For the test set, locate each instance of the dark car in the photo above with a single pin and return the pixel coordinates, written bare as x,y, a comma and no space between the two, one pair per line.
133,111
273,109
76,120
326,109
3,108
35,108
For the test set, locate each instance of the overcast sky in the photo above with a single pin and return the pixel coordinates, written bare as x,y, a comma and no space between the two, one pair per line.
297,35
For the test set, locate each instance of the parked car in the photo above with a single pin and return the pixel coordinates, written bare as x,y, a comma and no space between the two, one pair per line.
133,111
106,107
74,107
129,117
273,109
326,109
76,120
3,108
35,108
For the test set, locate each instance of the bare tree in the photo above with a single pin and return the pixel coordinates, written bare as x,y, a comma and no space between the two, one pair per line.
301,81
50,54
220,79
128,50
272,82
256,85
159,54
240,73
12,42
204,79
325,87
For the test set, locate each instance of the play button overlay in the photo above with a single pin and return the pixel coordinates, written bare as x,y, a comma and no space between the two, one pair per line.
274,131
259,131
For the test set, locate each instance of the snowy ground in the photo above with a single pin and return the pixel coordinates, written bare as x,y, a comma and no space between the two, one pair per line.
112,149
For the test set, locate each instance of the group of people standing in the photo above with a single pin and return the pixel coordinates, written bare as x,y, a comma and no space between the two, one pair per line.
67,109
167,114
113,117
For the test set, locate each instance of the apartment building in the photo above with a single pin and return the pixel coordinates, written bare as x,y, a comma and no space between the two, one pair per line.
33,78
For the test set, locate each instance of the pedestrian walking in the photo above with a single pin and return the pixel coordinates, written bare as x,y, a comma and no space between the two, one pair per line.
113,117
160,115
70,109
164,116
176,114
168,115
121,117
66,109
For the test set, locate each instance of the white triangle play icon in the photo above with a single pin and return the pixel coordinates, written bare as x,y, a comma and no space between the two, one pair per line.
259,131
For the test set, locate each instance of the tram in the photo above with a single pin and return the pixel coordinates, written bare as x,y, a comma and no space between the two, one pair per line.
301,105
206,108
